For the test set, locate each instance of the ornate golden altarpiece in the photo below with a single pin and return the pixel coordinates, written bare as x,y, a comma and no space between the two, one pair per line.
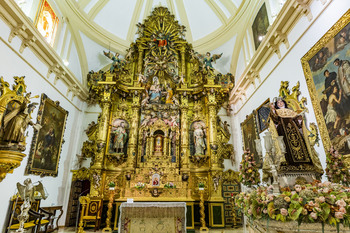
158,136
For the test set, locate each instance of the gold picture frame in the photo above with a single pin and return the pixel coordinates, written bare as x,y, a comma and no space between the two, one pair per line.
46,21
216,210
249,134
322,73
44,155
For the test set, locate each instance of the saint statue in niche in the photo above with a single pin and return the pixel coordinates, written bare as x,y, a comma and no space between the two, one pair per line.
199,138
119,136
289,124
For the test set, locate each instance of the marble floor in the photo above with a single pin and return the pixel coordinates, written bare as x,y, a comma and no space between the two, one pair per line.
228,230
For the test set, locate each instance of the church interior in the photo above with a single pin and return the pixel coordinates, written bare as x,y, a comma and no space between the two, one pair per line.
175,116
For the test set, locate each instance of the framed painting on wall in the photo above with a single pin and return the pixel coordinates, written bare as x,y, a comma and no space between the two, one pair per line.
262,115
327,70
260,26
46,21
249,134
47,142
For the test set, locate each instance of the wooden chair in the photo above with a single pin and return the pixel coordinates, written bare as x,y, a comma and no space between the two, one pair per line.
92,213
37,221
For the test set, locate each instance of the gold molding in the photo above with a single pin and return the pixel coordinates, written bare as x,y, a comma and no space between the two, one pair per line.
277,34
13,16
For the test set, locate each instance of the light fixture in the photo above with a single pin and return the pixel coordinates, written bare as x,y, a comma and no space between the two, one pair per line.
65,62
260,38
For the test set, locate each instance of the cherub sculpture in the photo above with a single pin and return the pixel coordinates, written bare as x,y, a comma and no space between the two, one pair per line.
208,59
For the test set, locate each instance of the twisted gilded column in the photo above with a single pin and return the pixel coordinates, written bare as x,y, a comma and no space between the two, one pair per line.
133,135
201,211
109,211
184,152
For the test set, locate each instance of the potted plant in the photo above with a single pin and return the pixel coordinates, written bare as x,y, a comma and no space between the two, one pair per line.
111,185
201,186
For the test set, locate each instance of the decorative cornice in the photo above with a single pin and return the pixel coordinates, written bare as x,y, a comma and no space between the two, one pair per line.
290,13
24,29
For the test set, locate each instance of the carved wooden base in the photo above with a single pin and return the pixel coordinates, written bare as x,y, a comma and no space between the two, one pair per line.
9,160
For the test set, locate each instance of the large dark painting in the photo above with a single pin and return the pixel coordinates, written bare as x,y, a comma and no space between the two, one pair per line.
47,142
260,26
327,70
249,134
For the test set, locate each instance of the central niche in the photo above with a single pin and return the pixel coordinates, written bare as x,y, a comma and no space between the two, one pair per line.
158,143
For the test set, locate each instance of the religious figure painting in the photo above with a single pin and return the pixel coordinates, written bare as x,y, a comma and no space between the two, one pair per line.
155,179
249,134
260,26
262,115
46,21
47,141
327,70
118,138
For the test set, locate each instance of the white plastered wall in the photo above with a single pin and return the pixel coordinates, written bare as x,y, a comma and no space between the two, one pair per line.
29,65
303,36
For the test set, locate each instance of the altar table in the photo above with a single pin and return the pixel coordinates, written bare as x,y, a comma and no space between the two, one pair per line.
152,217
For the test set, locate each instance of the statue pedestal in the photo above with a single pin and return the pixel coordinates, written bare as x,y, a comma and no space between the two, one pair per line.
289,227
9,160
290,178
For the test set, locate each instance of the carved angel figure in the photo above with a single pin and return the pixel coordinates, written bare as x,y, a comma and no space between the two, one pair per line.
208,59
96,177
27,190
145,101
129,53
116,60
142,78
216,181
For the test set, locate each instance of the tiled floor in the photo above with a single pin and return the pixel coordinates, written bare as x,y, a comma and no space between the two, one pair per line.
72,230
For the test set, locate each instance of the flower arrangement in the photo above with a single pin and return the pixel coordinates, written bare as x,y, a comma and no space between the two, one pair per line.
336,171
326,203
200,185
169,185
111,184
140,185
248,172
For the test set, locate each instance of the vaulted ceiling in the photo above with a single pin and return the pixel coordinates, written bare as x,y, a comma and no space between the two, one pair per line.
91,26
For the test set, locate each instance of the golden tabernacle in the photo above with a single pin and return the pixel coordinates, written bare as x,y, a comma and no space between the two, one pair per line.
158,137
